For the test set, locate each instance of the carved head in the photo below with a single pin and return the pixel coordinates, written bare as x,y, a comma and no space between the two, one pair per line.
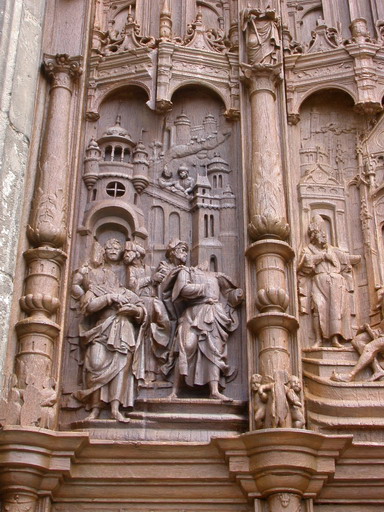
256,381
295,383
177,252
133,252
113,250
183,172
166,174
284,499
316,231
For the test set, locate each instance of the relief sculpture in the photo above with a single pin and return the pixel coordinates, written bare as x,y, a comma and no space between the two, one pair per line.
157,328
116,317
325,274
369,344
141,328
200,348
154,316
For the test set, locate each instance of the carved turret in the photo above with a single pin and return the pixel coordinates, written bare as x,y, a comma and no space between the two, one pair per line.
140,167
91,164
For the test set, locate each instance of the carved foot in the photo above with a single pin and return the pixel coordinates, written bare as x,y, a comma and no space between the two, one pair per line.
379,375
337,377
173,395
220,396
93,415
120,417
335,342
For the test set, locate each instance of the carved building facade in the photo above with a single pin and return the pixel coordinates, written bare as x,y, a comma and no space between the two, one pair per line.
193,281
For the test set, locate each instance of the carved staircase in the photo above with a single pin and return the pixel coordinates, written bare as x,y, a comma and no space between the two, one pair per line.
340,406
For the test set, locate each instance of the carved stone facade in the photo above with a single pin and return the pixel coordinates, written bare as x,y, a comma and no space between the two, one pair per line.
193,285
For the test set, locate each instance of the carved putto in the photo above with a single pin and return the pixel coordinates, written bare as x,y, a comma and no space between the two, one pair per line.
277,401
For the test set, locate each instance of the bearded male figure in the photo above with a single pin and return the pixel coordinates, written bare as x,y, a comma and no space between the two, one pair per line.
110,364
330,273
200,348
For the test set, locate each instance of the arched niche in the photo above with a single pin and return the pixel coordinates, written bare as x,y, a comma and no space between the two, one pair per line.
120,14
309,20
120,216
128,102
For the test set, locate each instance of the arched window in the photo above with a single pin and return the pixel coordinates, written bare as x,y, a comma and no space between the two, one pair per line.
108,154
206,234
213,263
118,154
157,218
174,225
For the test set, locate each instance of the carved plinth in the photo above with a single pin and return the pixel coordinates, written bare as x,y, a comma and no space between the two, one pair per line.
164,420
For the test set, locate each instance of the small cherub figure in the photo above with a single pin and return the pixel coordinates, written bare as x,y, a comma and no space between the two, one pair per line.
260,400
293,389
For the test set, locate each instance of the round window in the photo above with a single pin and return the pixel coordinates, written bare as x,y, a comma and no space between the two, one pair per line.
115,189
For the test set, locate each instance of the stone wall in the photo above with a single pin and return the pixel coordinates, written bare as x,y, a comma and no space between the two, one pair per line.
20,54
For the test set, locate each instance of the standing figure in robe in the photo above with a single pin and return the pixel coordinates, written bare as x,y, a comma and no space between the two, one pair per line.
157,330
200,348
110,364
329,271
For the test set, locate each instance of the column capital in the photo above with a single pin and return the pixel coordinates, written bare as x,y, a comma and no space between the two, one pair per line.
261,77
62,70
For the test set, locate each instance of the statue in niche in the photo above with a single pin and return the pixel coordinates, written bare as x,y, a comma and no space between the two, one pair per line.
113,335
327,283
369,343
176,255
262,35
157,329
200,342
